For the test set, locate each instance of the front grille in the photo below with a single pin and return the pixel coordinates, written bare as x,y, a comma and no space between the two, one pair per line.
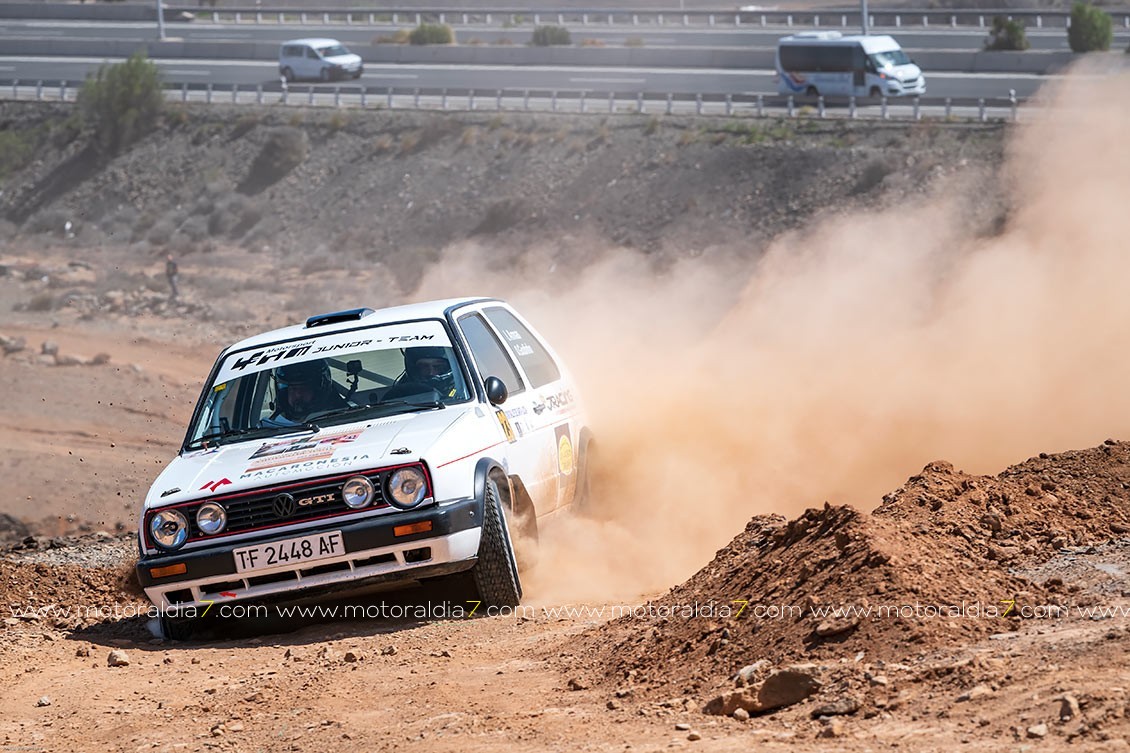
258,509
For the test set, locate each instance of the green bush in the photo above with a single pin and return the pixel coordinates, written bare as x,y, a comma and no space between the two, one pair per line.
1091,29
431,34
16,150
1007,35
547,36
122,102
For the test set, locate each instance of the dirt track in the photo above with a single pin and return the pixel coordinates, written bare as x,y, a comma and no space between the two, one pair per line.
553,679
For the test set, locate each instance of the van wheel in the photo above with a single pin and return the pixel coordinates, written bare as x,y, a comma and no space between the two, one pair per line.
875,92
288,74
324,75
811,92
494,578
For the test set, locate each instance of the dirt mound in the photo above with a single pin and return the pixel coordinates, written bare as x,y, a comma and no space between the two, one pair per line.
931,567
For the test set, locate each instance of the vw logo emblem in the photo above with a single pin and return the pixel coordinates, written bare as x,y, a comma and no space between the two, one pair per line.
284,506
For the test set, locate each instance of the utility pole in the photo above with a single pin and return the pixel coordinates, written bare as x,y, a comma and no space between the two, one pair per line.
863,17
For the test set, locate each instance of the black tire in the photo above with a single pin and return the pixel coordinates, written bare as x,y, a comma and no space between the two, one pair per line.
325,74
811,92
177,629
288,74
582,498
495,576
875,92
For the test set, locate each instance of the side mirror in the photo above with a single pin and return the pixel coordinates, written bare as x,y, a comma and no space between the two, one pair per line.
496,390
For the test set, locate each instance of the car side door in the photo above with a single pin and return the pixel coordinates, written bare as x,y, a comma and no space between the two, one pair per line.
526,452
554,411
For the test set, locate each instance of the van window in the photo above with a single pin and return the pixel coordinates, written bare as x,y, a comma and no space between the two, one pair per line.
311,54
535,359
818,59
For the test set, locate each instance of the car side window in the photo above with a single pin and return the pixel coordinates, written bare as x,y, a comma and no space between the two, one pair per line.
489,355
311,54
531,354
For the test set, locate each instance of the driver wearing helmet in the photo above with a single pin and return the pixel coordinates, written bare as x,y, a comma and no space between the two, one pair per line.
302,389
430,366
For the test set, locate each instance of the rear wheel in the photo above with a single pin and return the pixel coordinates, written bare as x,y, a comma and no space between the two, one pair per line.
494,577
288,74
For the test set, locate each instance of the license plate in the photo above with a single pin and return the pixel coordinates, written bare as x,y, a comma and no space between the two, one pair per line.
288,552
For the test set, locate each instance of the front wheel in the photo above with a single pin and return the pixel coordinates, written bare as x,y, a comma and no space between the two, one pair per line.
325,74
177,629
875,92
812,92
288,74
495,576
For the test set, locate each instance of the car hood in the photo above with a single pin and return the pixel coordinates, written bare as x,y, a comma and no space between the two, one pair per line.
287,458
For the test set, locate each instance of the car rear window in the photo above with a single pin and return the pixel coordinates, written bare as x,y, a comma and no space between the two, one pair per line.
535,359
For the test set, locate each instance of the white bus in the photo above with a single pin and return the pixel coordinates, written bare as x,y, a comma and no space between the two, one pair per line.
828,63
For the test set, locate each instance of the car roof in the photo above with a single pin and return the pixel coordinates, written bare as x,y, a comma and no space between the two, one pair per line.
364,318
313,41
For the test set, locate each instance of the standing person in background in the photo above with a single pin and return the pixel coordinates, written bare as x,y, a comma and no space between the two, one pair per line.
173,273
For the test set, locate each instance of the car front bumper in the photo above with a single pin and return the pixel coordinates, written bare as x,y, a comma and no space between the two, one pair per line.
373,553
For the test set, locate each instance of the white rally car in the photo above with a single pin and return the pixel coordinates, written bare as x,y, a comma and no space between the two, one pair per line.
362,447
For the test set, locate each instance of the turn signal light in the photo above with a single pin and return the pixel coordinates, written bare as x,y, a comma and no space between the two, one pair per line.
422,527
163,572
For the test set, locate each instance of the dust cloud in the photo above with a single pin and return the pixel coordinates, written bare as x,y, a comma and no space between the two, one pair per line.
840,361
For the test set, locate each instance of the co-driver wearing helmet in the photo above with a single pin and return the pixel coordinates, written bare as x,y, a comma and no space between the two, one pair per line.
302,389
430,366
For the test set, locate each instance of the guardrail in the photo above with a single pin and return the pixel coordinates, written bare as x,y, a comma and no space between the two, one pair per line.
511,16
891,19
576,101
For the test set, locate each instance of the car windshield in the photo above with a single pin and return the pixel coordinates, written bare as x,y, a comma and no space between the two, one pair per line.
333,51
308,383
889,58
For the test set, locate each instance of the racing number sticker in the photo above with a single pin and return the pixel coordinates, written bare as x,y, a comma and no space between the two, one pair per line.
507,429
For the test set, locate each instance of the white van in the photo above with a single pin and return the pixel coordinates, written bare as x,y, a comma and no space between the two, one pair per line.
321,59
828,63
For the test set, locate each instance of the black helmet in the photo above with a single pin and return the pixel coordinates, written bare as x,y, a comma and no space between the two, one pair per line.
305,374
312,374
443,382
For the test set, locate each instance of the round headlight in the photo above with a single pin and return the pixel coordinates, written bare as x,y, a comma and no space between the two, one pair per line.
357,492
211,518
168,528
406,488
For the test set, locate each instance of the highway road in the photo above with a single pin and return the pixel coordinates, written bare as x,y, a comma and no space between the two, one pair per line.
911,39
223,74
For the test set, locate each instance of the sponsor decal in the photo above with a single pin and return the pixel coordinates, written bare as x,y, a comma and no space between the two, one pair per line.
229,594
564,449
560,400
507,429
517,412
297,450
212,486
377,338
304,467
174,490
